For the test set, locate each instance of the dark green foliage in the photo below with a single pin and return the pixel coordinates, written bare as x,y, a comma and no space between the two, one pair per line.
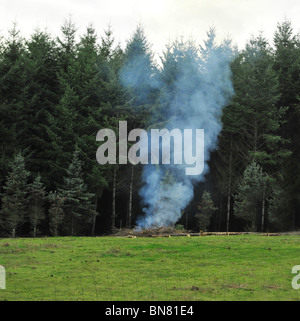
41,94
78,207
250,193
179,78
287,68
205,210
138,71
67,42
256,95
12,82
253,123
56,213
14,198
36,201
56,93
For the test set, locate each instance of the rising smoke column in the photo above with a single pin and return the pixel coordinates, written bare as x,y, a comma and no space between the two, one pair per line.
195,86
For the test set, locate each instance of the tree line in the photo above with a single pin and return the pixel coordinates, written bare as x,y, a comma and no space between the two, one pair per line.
56,93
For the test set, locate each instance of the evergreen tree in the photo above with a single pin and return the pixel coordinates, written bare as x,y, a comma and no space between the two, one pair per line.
56,94
228,161
79,116
138,71
90,85
41,94
67,44
36,200
179,80
82,76
77,206
62,135
256,95
62,119
12,84
14,198
253,120
205,209
118,103
56,213
286,63
287,66
278,210
250,195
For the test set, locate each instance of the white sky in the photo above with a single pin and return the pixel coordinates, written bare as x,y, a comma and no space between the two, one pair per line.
163,20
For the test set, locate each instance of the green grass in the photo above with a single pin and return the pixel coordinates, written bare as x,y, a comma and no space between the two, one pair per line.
240,267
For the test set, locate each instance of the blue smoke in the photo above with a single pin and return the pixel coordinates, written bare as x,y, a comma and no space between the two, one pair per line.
194,85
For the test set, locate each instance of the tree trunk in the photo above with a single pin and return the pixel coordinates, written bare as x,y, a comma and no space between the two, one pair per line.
34,231
220,214
72,225
294,205
255,140
186,220
94,218
130,198
263,210
228,210
113,214
229,187
56,230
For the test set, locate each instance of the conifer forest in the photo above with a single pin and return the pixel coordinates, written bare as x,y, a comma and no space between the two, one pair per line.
58,91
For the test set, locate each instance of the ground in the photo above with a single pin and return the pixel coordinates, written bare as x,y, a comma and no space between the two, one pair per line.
224,267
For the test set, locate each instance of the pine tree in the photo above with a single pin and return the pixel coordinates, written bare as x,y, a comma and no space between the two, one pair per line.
12,85
67,44
138,71
78,114
41,95
62,135
278,209
179,80
205,209
250,195
253,120
256,95
286,63
83,76
120,101
228,160
56,213
77,206
36,200
91,86
14,198
287,66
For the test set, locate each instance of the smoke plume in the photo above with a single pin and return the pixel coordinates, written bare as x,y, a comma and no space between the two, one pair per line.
194,84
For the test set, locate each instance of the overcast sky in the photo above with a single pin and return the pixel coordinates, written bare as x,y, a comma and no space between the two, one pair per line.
163,20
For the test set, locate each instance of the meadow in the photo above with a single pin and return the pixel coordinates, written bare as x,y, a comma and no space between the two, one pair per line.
235,268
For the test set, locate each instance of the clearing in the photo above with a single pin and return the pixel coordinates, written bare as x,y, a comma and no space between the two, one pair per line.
236,267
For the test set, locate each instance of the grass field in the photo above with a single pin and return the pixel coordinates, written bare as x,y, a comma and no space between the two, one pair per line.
239,267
